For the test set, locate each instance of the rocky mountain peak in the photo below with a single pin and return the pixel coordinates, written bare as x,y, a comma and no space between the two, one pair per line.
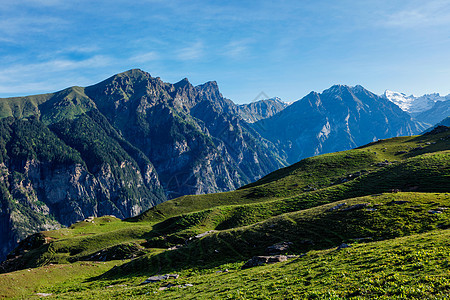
210,91
183,83
359,89
337,89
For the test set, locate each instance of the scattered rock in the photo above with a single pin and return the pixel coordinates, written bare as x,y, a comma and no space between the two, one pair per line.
383,163
434,211
371,209
262,260
337,206
204,233
166,287
89,219
400,152
343,246
43,294
157,278
418,148
118,285
399,202
278,248
175,247
356,206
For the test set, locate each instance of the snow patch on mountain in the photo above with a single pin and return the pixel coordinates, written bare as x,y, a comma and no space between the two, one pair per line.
412,103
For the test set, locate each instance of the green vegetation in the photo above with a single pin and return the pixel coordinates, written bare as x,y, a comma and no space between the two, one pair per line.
359,172
388,200
413,267
22,140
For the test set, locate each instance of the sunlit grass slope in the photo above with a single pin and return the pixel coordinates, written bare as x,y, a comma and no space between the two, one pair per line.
389,200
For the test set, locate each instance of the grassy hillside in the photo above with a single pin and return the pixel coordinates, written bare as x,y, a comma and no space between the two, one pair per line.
389,200
406,267
325,171
412,267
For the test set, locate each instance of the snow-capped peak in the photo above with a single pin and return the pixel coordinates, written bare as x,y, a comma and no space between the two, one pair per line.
414,104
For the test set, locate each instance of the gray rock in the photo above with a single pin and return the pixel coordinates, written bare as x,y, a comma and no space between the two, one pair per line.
175,247
399,202
204,234
262,260
157,278
278,248
343,246
356,207
400,152
337,206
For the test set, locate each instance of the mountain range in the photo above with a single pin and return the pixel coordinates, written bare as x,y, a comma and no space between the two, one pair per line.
429,108
132,141
339,118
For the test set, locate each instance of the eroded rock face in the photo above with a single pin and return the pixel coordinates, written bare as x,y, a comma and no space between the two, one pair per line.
45,183
44,197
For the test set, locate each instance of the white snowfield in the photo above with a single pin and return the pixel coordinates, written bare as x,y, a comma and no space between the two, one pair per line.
414,104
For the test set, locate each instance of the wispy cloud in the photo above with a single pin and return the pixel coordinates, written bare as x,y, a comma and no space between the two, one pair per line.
145,57
237,49
19,26
428,13
191,52
47,75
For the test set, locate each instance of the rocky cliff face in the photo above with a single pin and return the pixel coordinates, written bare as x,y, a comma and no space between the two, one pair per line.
340,118
262,109
45,183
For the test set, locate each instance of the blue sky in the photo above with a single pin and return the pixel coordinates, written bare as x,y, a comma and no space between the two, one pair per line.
281,48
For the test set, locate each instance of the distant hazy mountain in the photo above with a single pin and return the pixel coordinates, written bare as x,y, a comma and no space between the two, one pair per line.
340,118
262,109
430,108
445,122
437,112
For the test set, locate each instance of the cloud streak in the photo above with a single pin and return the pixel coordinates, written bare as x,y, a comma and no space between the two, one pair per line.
25,78
428,13
192,52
